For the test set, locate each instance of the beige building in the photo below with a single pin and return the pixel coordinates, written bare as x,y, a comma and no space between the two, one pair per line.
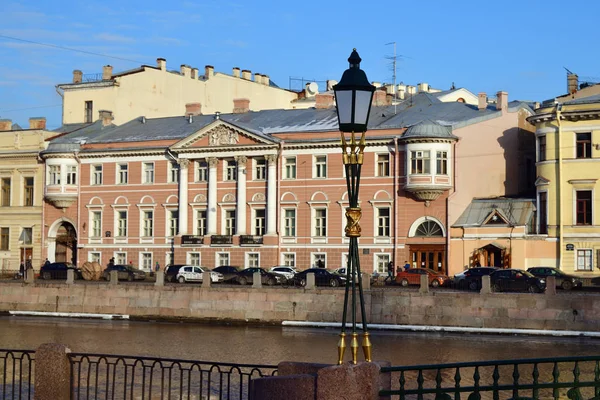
157,92
21,192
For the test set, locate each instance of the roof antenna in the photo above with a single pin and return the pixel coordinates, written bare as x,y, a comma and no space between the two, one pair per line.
394,58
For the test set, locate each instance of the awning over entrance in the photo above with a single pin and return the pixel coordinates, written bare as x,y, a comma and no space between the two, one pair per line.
492,245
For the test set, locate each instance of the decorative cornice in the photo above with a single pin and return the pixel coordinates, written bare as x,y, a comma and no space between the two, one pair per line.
61,200
425,194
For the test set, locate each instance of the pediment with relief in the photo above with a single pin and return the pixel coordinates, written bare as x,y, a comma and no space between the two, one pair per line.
220,134
496,217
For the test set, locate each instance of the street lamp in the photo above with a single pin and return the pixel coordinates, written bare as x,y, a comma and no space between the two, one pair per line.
353,96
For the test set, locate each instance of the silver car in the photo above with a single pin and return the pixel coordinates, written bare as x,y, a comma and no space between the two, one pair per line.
193,273
284,270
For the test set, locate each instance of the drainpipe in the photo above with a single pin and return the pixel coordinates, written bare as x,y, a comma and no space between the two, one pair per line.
278,211
396,163
43,227
448,199
560,187
78,206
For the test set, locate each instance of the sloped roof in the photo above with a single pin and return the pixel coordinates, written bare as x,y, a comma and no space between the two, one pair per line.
585,100
429,129
517,211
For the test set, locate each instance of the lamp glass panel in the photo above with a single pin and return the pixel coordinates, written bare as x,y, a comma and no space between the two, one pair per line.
361,111
343,99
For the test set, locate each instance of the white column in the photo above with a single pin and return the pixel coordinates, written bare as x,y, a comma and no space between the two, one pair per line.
183,196
271,194
240,216
211,229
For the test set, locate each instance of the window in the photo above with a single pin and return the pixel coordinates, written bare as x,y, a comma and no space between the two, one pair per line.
253,260
542,148
94,256
121,223
290,168
121,258
222,259
543,213
96,224
383,222
194,258
122,174
27,236
260,169
584,207
381,263
96,174
148,173
259,222
584,260
201,222
88,110
383,165
429,229
290,223
321,222
441,162
584,145
147,261
321,167
230,222
28,192
289,259
419,162
173,222
319,260
4,238
148,223
231,170
173,173
54,178
5,192
201,171
71,175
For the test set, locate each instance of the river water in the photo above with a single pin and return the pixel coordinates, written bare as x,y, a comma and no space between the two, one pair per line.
270,345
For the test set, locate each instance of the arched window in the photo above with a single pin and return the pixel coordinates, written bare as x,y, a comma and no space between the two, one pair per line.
429,229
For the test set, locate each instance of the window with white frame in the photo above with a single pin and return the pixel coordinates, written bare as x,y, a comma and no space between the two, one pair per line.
94,256
27,236
381,263
383,221
147,223
146,261
173,222
441,159
148,171
194,258
201,171
121,258
321,222
71,175
290,167
96,174
320,166
230,222
419,162
96,224
121,224
289,259
345,260
584,260
253,260
223,259
230,170
289,223
173,172
54,175
260,169
319,260
259,222
169,258
201,222
383,165
122,174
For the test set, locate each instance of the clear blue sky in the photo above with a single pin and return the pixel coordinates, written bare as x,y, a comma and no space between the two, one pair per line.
516,46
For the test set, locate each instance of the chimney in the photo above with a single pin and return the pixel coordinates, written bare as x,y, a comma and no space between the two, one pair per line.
323,100
389,99
37,123
379,98
330,84
502,101
246,74
482,97
401,91
185,70
423,87
241,106
5,125
107,72
194,73
410,89
376,84
257,77
572,83
390,89
106,117
209,71
236,72
77,76
193,109
161,63
266,80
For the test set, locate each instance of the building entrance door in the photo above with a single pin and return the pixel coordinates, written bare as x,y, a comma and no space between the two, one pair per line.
26,254
428,256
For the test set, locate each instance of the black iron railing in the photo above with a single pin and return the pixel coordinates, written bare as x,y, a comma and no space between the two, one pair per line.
250,240
101,376
575,378
16,374
221,239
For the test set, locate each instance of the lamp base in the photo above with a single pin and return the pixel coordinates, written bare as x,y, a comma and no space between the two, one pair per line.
341,348
354,347
367,347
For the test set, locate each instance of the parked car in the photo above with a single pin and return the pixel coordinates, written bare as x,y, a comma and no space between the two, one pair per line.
412,276
171,272
471,278
323,277
229,272
58,270
372,278
246,276
563,280
194,273
516,280
124,273
285,271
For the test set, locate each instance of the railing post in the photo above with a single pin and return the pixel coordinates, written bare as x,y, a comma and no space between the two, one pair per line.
206,281
424,284
70,277
160,278
310,281
551,285
114,277
486,286
366,281
52,372
29,275
256,282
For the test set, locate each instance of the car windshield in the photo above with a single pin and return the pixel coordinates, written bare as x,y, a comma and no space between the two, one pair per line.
432,272
202,269
528,274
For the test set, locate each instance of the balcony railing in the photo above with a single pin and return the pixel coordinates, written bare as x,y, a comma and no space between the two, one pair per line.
250,240
221,239
191,240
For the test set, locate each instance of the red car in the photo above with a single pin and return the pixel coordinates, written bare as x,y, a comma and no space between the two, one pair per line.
412,276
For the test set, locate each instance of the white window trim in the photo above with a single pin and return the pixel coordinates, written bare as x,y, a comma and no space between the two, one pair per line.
118,173
284,165
141,261
218,253
224,218
434,162
576,265
90,258
167,209
377,205
188,257
288,239
93,174
92,208
344,260
115,256
144,170
116,210
255,167
142,208
170,172
313,223
314,166
313,258
197,165
389,163
538,211
195,219
376,256
247,258
253,225
282,258
225,164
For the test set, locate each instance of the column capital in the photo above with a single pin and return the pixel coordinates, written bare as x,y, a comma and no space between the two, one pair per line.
241,159
212,161
183,163
271,158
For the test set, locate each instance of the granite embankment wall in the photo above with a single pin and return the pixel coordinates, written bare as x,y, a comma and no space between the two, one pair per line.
562,311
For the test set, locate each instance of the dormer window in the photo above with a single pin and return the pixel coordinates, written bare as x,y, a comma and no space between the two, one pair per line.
419,162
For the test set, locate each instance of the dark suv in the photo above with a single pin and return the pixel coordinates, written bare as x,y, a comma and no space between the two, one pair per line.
229,272
171,272
516,280
471,278
58,270
565,281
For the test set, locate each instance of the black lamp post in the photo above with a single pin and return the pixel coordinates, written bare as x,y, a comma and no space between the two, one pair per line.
353,96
